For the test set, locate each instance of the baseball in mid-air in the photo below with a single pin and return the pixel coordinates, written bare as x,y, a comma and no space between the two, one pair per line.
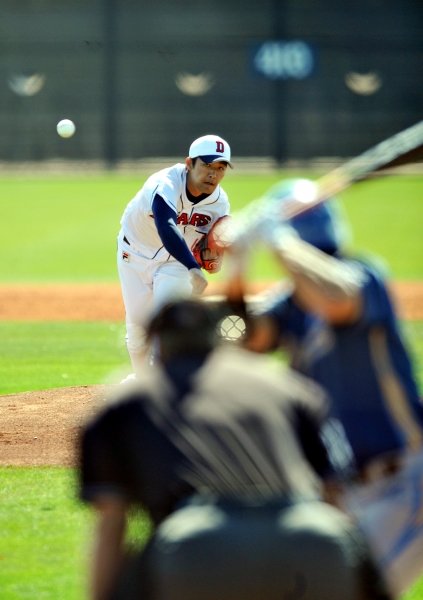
65,128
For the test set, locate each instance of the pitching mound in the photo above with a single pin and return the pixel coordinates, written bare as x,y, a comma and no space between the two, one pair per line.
41,428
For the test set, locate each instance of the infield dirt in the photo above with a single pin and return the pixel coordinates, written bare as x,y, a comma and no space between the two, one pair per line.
41,427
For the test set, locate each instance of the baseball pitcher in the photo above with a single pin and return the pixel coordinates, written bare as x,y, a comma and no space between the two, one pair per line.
161,229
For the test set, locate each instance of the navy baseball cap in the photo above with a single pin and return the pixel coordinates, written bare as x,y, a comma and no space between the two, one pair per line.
211,148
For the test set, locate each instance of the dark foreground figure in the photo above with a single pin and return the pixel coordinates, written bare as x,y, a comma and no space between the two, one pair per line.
224,453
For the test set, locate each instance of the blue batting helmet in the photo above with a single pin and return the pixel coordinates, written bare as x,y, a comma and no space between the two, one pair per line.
321,226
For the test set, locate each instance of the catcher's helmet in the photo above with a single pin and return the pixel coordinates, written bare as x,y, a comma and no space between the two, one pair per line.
321,226
184,326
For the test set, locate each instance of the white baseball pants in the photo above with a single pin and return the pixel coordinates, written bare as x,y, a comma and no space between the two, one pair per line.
146,286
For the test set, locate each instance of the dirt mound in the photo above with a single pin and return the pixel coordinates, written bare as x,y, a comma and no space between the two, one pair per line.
41,428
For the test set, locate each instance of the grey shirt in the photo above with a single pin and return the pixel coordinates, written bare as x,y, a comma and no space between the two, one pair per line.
241,430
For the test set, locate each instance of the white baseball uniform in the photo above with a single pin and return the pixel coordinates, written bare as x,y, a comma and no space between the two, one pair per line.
389,511
149,275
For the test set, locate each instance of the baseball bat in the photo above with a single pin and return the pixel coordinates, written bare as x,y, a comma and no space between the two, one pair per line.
277,204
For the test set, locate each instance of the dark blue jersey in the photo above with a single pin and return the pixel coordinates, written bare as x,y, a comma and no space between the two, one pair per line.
365,367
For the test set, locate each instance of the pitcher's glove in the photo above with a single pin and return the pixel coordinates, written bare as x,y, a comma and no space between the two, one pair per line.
208,252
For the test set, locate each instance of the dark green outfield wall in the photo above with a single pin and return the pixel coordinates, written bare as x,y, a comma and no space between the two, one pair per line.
143,78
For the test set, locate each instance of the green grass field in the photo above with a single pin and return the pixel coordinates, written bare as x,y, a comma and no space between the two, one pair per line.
63,229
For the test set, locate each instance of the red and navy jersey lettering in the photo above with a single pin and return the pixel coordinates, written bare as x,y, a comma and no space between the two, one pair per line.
196,219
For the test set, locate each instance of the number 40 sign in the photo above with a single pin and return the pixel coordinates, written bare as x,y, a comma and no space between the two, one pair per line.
284,59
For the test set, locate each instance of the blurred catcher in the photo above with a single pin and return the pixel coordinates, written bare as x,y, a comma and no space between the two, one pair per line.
224,454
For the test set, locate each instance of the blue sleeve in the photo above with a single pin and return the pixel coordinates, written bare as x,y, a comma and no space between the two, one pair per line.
165,220
288,318
377,302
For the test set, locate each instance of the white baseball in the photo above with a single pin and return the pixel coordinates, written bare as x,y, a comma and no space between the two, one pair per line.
65,128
